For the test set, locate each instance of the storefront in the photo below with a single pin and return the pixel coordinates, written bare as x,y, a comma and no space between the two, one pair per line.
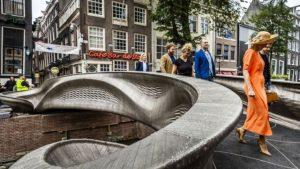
99,61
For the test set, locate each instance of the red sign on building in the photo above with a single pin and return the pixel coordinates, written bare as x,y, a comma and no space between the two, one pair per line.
112,55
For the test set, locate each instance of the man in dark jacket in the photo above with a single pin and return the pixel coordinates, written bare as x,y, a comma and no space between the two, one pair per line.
9,85
142,64
267,73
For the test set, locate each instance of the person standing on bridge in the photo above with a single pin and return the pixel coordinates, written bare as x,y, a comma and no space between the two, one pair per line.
168,59
204,63
257,120
184,64
267,74
142,65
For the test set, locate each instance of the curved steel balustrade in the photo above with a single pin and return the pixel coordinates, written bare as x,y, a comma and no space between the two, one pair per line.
192,116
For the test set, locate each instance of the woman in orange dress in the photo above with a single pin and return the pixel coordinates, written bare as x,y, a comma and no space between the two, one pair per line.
257,120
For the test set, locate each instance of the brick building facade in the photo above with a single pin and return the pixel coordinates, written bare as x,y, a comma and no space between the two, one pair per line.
110,34
15,38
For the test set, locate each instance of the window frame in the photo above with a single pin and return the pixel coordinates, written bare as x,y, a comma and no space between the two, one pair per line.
282,71
272,71
118,21
1,53
162,46
227,52
96,15
92,48
232,57
24,9
134,41
204,26
193,20
219,45
139,23
127,65
117,50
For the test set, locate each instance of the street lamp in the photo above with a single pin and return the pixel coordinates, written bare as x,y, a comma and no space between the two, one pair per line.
27,51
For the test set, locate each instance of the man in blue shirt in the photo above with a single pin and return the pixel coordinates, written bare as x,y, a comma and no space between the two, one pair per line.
204,63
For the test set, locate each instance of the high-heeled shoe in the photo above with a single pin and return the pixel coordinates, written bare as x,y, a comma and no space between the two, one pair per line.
240,134
263,147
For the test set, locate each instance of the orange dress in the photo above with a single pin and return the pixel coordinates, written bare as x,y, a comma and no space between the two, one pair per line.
257,120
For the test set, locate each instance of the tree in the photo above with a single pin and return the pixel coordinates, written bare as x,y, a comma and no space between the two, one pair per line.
276,18
172,16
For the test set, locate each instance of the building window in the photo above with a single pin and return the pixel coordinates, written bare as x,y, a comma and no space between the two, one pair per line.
120,65
232,52
140,44
96,8
281,67
274,66
219,49
119,13
13,46
14,7
91,68
104,67
292,75
160,47
140,16
77,68
193,23
204,26
226,48
289,59
119,41
96,38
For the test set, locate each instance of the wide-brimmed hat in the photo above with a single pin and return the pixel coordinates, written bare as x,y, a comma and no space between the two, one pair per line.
262,38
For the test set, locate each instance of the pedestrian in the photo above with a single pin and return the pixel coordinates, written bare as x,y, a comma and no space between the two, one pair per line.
257,120
142,65
168,59
204,63
184,64
9,85
267,74
22,84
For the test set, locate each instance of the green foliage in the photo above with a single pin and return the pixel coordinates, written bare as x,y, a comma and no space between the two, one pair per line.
275,76
275,17
172,16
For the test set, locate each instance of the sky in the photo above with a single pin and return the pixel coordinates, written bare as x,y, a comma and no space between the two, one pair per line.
39,5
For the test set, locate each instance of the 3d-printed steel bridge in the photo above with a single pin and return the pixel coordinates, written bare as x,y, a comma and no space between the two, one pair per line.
192,116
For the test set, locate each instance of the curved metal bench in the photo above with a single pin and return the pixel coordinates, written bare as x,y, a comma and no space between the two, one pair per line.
192,116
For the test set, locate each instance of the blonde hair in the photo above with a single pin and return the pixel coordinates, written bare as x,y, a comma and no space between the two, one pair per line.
187,47
142,56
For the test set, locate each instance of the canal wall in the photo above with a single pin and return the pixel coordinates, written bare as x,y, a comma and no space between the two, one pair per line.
23,133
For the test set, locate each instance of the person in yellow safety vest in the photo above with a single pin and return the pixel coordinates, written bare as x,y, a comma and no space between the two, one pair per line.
21,84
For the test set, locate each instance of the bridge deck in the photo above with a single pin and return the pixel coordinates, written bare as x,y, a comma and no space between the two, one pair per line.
284,146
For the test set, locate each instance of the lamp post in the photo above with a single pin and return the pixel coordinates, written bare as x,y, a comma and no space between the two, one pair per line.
27,54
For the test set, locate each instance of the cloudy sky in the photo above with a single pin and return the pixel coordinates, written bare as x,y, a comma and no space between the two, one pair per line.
39,5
